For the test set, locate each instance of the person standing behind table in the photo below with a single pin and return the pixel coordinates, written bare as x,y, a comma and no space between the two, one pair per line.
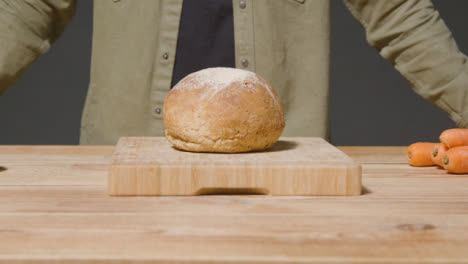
141,48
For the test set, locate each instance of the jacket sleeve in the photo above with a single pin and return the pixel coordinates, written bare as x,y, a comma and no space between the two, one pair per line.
27,29
413,37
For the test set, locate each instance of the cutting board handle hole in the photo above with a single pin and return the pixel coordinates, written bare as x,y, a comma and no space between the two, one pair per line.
232,191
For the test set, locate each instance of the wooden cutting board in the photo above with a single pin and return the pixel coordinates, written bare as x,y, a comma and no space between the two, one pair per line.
293,166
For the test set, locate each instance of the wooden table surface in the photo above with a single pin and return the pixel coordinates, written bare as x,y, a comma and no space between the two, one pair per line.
54,208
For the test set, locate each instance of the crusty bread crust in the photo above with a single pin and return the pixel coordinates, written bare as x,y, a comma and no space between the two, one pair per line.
223,110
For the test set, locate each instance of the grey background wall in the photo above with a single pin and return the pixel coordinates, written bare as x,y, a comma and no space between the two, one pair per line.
371,104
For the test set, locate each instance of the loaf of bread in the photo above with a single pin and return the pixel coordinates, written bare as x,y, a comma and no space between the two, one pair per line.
223,110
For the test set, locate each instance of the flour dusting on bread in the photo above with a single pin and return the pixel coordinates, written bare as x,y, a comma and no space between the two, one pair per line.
220,78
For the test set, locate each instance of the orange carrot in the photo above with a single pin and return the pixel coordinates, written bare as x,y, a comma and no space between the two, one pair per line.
455,137
438,153
456,160
419,154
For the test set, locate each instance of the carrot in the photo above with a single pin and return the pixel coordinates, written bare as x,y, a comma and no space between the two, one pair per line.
438,153
455,137
456,160
419,154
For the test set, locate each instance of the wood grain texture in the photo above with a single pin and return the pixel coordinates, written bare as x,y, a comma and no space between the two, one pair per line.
54,208
293,166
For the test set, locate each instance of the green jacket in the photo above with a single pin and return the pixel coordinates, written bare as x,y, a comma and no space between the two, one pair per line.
284,41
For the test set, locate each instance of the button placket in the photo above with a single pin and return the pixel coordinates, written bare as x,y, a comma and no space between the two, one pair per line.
165,57
244,35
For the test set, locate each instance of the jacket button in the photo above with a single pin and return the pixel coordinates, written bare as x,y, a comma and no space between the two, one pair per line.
245,63
158,111
165,56
242,4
